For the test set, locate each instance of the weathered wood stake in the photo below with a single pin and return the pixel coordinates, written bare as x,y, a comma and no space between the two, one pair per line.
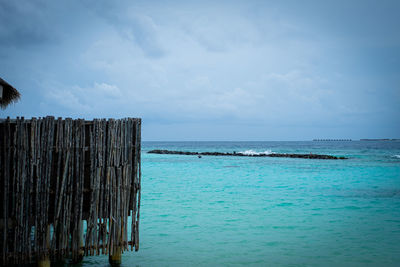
44,260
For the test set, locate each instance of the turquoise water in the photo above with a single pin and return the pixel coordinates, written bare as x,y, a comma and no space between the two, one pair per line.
219,211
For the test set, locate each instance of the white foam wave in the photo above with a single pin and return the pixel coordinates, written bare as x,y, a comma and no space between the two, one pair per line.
396,156
252,152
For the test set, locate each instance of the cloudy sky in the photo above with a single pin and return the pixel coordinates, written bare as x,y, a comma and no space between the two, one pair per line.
209,70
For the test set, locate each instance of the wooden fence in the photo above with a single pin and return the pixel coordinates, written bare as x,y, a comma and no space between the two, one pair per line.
67,188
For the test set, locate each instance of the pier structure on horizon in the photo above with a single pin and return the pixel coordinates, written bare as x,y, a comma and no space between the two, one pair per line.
332,140
57,175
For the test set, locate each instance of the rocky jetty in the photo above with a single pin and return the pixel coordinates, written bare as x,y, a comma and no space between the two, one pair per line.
238,154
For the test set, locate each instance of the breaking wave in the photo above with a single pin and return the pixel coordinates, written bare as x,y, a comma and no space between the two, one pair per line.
252,152
396,156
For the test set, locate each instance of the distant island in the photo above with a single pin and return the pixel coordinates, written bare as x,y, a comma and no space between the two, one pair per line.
366,139
384,139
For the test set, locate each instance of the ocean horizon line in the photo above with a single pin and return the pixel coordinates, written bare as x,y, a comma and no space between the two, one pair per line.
309,140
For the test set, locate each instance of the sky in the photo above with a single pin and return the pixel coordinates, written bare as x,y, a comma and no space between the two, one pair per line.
209,70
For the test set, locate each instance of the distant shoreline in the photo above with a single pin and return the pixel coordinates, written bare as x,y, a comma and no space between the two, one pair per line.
384,139
348,140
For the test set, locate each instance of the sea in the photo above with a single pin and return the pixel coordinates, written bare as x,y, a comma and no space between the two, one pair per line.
265,211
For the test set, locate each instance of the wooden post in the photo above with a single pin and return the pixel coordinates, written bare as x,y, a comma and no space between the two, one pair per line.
115,257
81,248
44,260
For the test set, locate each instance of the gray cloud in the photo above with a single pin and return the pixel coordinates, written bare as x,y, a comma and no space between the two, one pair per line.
24,23
131,23
260,65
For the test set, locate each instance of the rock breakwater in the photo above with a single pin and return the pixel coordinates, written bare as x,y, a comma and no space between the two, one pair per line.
239,154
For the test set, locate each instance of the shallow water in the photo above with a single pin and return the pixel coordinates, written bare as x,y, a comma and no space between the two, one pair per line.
217,211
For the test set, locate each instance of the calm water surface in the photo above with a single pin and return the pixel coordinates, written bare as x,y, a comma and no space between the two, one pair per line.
218,211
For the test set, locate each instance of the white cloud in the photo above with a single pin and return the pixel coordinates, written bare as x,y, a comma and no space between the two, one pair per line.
107,90
66,98
89,100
